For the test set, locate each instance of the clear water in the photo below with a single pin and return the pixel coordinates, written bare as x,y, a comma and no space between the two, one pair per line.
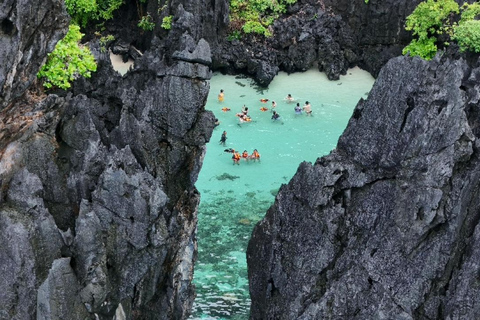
235,197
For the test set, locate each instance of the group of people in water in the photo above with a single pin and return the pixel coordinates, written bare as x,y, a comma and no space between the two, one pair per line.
243,116
236,156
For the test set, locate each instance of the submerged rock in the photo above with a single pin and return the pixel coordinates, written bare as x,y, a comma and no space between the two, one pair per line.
386,226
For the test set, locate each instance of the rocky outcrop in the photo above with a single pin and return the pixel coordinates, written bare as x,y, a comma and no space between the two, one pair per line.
335,35
28,31
387,225
97,198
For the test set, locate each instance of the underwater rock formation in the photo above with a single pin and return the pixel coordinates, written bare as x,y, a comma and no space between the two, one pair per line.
98,204
387,225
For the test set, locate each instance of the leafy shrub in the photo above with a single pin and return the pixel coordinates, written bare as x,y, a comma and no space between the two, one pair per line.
68,61
104,41
83,11
467,34
146,23
254,16
433,18
167,22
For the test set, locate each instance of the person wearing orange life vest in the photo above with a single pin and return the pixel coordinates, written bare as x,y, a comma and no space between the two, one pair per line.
245,155
255,155
236,158
221,96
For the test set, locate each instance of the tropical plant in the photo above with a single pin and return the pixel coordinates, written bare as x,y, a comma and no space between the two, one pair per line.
255,16
427,21
67,61
433,18
146,23
167,22
83,11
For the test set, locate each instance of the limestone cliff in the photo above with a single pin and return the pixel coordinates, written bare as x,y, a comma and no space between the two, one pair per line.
334,34
98,204
387,225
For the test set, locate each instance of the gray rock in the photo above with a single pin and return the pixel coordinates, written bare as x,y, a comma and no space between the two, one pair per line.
29,30
386,225
54,297
98,203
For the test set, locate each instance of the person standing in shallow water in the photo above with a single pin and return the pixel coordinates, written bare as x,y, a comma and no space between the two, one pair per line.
297,109
307,108
223,139
221,96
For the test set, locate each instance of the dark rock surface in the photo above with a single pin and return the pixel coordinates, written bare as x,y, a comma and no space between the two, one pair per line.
97,197
387,225
29,30
335,35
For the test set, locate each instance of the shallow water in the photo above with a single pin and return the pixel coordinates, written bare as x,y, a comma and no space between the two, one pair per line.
235,197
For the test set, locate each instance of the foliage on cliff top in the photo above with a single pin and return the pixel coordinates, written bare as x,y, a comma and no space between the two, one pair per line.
68,61
83,11
434,18
254,16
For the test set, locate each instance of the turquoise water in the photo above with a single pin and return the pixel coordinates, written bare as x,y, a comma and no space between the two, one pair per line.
235,197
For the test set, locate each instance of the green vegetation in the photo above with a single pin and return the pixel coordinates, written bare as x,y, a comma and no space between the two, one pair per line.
434,18
68,61
83,11
255,16
146,23
104,41
167,22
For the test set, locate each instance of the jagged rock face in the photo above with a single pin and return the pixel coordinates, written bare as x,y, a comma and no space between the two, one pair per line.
336,35
98,204
386,226
28,31
379,28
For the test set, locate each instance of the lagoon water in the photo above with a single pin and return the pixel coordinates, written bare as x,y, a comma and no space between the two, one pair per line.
235,197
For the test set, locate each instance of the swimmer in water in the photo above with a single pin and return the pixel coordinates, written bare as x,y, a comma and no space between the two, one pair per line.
307,108
274,105
289,98
221,96
275,116
236,158
255,155
297,109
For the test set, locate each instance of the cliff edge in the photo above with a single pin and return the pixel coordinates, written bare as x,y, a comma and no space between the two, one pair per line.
387,225
97,198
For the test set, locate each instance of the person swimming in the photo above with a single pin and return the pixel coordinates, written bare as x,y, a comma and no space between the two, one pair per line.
274,105
217,122
297,109
221,96
225,109
263,109
255,155
236,158
289,98
275,115
245,154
